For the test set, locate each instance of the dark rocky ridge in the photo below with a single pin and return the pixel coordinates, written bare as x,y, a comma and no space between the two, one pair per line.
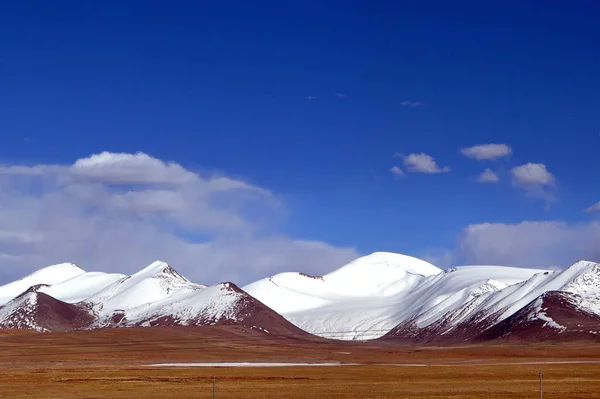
554,316
41,312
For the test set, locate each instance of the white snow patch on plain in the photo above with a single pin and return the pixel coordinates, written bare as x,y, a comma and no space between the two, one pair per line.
250,364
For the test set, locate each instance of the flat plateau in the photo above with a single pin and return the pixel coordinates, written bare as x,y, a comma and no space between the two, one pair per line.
113,363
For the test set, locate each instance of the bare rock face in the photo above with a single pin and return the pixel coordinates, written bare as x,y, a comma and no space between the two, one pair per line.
38,311
554,316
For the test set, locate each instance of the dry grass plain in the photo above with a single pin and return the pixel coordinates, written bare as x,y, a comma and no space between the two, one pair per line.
113,364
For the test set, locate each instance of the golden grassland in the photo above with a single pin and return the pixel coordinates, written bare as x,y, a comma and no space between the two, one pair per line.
113,364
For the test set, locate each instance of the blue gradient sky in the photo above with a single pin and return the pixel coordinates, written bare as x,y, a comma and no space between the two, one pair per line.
249,91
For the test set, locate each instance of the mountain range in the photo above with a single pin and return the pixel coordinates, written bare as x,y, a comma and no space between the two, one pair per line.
382,296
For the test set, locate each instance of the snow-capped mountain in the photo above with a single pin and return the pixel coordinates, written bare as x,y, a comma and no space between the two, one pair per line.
578,285
37,311
552,314
65,297
373,294
49,275
382,295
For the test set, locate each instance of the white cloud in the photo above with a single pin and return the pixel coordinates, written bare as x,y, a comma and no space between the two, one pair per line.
140,168
487,151
532,174
412,104
340,95
422,163
310,98
397,172
488,176
593,208
120,212
535,180
546,244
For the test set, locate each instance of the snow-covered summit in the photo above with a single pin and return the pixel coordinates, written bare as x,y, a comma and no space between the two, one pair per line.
48,275
386,262
80,287
373,294
379,274
158,268
155,282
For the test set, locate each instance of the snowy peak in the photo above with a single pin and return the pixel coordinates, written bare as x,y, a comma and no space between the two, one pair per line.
157,269
49,275
59,269
231,287
379,274
154,283
80,287
387,262
382,292
586,280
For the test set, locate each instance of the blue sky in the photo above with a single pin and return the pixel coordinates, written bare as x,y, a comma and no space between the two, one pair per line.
305,100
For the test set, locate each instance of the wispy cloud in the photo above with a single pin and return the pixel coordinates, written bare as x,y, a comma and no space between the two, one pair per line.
113,210
421,163
340,95
593,208
546,244
482,152
412,104
397,172
310,98
488,176
535,180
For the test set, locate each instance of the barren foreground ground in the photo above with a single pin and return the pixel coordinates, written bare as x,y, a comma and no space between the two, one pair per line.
114,364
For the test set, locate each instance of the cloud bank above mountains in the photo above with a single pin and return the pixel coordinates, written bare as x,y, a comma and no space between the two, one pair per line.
538,244
115,211
120,212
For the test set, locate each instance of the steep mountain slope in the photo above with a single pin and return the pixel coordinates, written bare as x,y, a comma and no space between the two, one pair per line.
554,315
38,311
481,312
